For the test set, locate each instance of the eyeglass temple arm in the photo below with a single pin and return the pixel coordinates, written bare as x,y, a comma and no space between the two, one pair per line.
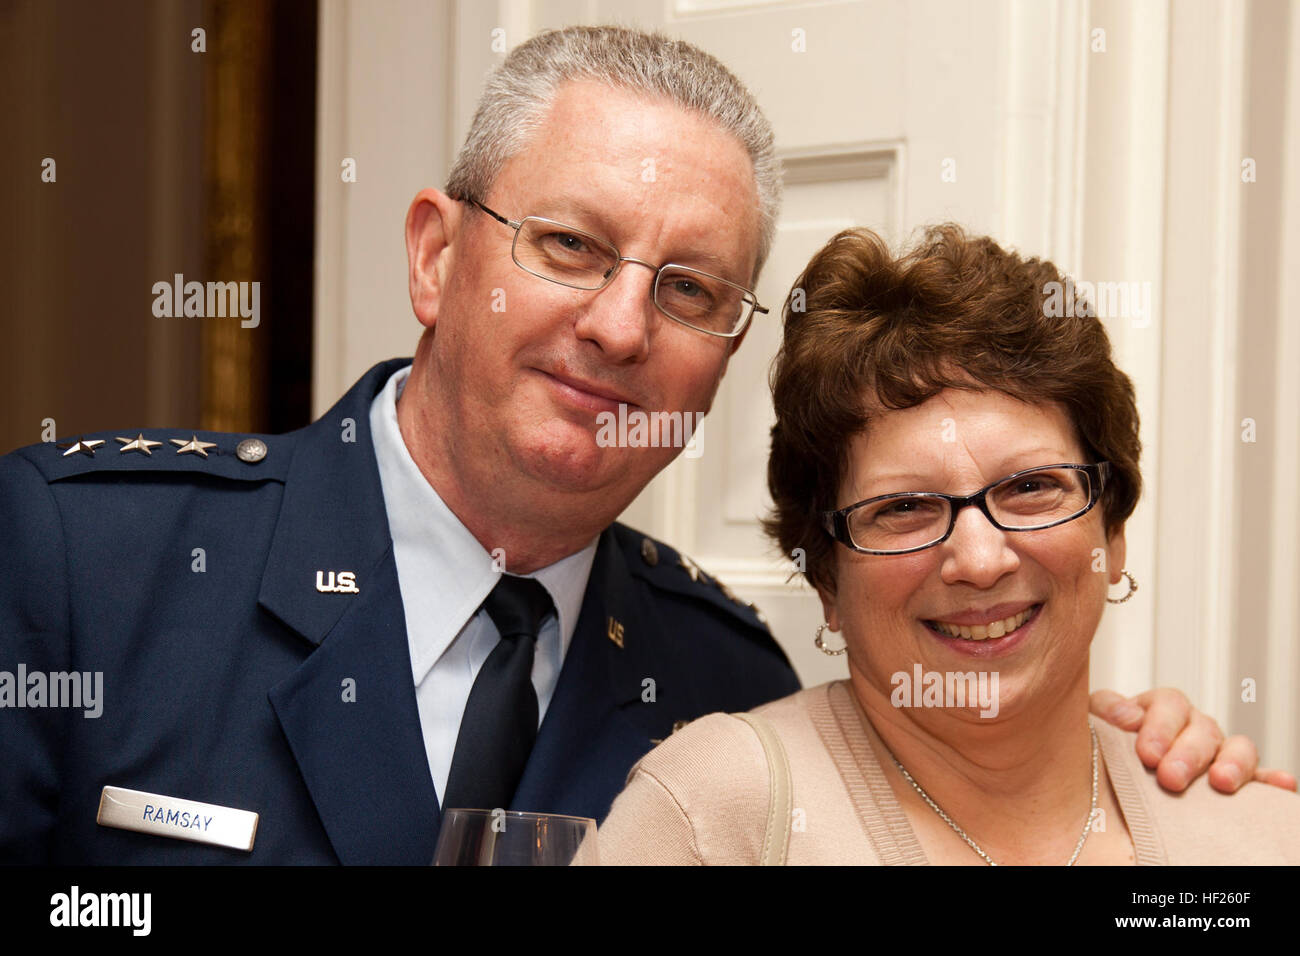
495,215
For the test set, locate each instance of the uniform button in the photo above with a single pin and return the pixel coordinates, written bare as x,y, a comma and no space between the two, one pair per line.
251,450
649,553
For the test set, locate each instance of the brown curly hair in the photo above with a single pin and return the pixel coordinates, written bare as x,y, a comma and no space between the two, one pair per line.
954,309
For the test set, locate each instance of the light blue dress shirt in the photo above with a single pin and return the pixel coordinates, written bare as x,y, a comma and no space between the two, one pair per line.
444,575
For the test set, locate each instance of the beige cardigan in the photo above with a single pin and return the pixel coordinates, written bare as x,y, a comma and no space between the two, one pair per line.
702,797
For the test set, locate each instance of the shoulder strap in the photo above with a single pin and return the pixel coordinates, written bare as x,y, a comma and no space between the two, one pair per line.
776,841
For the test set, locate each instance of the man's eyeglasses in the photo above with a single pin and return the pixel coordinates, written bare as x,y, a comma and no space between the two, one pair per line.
571,257
1025,501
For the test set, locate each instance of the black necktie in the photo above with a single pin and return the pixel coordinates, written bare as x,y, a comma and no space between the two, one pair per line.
500,721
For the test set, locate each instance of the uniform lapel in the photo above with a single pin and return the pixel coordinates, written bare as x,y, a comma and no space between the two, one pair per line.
349,711
599,723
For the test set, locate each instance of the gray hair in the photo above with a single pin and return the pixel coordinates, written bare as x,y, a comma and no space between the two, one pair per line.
523,87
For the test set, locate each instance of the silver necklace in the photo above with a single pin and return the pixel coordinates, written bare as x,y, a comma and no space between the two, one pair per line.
1078,847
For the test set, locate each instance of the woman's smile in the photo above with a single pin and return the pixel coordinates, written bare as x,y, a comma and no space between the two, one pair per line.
989,644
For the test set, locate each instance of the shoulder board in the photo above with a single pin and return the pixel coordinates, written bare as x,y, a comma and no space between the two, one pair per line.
668,569
164,450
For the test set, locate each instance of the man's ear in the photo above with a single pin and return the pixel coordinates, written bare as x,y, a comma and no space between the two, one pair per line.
432,224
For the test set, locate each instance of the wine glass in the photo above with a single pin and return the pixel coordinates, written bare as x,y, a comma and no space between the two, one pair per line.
515,838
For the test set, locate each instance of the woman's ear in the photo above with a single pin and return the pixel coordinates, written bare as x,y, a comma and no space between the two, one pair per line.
829,612
1117,551
432,224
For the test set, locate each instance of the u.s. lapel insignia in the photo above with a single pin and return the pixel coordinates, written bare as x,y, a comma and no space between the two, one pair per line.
344,583
82,447
614,628
138,443
193,446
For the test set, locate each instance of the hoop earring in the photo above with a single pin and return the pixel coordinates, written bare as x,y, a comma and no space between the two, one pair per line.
1132,589
821,645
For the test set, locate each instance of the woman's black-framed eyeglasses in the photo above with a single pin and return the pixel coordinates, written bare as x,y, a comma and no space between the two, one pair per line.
1028,500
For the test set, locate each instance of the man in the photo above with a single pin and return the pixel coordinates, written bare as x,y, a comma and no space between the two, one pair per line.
315,627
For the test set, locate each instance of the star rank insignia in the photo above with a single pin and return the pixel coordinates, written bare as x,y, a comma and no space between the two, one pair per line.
82,447
193,446
138,443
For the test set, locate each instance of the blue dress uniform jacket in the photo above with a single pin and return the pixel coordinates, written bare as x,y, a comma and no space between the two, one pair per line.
226,670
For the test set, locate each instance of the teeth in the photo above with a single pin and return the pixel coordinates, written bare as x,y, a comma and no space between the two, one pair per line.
982,632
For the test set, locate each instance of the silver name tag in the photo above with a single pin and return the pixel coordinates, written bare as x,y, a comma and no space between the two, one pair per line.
180,819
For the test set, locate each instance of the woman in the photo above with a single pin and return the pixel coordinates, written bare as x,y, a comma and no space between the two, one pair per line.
956,465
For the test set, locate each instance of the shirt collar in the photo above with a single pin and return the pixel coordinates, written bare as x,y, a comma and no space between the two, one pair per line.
444,573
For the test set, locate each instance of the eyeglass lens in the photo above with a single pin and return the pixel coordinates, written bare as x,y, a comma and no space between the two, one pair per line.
1032,500
583,261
